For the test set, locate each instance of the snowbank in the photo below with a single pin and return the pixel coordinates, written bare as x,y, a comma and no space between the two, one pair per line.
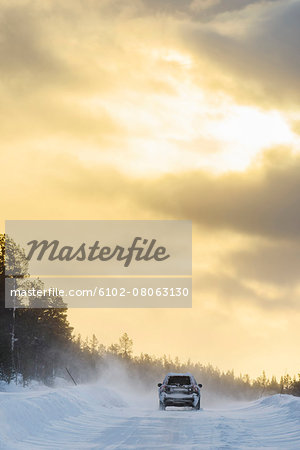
288,404
24,410
91,416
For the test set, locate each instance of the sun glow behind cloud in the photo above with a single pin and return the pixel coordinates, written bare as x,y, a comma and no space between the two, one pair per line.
189,128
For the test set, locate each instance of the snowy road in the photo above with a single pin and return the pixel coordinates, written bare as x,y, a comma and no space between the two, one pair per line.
79,418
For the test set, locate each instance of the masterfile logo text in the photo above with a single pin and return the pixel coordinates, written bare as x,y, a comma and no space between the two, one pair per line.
99,263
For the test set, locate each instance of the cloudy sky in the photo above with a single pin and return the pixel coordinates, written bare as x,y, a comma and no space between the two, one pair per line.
166,109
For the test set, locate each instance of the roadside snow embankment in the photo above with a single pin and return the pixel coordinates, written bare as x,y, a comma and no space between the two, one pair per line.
94,417
24,411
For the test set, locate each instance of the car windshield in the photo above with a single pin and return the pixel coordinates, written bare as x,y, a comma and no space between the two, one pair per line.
179,380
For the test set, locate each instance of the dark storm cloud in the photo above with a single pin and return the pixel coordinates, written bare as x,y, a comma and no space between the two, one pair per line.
52,41
264,59
272,262
32,37
232,290
21,43
263,201
199,10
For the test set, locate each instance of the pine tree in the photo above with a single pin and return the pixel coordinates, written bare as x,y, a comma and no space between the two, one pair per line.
125,346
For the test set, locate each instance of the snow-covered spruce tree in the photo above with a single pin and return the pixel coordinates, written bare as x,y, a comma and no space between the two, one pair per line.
13,266
5,321
33,341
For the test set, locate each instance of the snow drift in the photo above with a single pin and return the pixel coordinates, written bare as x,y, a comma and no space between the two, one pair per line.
96,417
26,411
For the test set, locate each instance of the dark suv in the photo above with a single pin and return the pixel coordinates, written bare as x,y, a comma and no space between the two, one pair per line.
179,389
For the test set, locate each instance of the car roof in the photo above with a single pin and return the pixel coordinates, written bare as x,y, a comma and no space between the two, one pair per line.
177,374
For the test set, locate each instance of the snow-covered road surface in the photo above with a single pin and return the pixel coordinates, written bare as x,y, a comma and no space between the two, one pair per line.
90,417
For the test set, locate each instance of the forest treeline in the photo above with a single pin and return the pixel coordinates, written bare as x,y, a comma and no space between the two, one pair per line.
39,344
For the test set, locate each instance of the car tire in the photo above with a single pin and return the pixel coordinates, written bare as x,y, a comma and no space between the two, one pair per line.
197,407
161,406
